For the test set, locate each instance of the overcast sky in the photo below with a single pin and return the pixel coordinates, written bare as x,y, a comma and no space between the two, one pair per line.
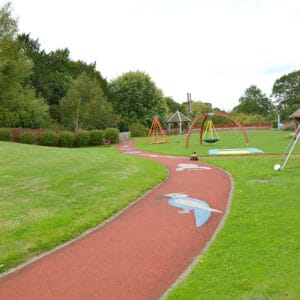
212,49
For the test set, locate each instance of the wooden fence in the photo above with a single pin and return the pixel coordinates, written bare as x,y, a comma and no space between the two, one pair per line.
37,132
232,127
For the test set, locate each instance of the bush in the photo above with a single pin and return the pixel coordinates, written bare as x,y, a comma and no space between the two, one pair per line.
66,139
48,138
275,124
82,138
112,134
96,137
248,118
27,138
5,135
138,130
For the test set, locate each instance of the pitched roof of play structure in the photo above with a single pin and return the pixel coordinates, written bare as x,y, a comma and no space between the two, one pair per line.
178,117
296,114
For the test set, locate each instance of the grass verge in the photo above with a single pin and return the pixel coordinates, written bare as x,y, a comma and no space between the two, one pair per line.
51,195
256,254
269,141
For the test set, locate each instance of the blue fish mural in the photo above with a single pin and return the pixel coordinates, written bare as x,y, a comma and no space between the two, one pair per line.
201,209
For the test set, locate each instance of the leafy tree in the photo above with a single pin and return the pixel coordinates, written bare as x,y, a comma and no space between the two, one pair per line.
14,66
50,76
78,67
248,118
8,26
286,90
199,108
173,106
54,72
136,98
85,105
18,104
254,102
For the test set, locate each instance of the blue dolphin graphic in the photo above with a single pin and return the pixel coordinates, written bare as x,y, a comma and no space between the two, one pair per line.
201,209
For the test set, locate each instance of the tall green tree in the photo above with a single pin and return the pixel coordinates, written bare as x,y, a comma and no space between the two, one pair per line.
173,106
199,108
286,91
50,76
248,118
18,103
54,72
136,98
254,101
79,66
85,105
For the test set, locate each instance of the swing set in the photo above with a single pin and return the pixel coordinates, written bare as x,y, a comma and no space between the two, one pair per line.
210,133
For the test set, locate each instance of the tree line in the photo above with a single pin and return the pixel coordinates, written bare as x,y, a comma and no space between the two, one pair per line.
50,90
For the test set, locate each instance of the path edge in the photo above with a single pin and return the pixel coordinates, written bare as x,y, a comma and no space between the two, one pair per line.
83,234
197,258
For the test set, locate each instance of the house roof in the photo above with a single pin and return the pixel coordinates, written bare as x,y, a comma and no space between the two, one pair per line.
178,117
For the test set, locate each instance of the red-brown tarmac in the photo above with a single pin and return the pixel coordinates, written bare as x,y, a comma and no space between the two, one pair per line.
137,255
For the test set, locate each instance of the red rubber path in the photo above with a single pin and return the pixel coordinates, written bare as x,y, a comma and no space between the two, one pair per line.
137,255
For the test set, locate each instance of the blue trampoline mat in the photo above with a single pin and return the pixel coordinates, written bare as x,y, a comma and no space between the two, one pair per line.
235,151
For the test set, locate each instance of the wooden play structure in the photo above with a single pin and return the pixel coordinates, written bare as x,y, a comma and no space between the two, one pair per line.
178,118
156,133
210,133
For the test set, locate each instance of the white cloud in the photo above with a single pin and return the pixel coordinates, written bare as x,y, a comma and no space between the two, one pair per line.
212,49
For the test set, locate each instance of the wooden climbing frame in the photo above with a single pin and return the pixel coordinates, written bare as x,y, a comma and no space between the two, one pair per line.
156,133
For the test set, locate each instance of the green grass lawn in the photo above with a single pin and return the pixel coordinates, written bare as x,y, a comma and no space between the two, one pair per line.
51,195
256,255
269,141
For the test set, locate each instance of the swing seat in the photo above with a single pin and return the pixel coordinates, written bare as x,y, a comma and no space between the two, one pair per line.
210,140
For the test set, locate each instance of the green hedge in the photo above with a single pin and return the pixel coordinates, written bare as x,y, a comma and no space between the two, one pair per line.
5,135
82,138
112,134
49,138
138,130
66,139
275,124
96,137
27,138
69,139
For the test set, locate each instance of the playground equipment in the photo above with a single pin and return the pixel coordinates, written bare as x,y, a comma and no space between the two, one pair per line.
234,151
210,133
213,139
194,156
156,133
178,118
288,150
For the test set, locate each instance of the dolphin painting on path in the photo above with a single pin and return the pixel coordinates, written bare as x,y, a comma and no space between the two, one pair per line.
202,210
